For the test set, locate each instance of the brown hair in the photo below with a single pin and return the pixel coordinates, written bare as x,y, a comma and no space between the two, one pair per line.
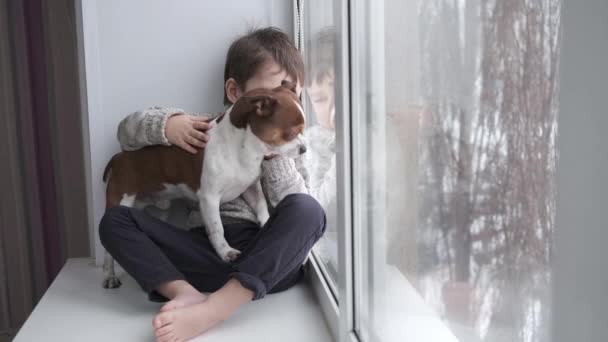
250,52
320,54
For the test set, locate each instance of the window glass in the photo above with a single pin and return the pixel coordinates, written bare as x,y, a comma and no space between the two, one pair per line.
469,121
319,102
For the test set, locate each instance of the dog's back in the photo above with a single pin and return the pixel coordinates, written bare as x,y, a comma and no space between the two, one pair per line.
146,171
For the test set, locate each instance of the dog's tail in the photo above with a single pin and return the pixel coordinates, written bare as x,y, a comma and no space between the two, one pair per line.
106,171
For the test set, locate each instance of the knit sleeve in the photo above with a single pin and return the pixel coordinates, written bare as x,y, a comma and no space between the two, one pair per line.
314,173
147,127
280,177
323,185
321,164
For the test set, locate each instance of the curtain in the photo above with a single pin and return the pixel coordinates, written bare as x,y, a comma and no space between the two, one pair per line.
43,220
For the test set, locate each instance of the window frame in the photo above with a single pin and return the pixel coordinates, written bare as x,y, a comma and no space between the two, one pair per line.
338,308
356,93
339,317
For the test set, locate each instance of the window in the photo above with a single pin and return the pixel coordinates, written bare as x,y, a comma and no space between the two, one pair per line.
319,102
450,114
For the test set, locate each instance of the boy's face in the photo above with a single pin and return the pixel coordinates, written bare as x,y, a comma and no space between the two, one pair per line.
322,98
269,76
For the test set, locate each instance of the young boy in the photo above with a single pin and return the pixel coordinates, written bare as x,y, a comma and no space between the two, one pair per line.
171,263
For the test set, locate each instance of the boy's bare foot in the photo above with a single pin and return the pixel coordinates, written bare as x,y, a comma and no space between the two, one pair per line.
186,322
183,300
180,293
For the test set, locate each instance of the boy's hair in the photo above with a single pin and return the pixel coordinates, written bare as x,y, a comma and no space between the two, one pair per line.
250,52
320,55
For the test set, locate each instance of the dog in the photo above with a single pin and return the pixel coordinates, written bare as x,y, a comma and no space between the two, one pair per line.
261,123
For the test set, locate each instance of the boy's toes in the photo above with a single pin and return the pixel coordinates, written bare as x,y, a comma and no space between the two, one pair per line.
162,331
170,305
162,319
166,338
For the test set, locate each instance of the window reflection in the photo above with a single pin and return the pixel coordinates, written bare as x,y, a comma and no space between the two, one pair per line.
319,100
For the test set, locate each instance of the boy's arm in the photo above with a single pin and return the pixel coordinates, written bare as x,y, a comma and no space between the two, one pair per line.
282,176
321,161
323,185
147,127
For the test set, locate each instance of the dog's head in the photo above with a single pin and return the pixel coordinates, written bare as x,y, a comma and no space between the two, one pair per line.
275,116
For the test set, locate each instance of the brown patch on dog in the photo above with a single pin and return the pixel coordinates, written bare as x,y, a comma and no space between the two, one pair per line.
144,172
220,118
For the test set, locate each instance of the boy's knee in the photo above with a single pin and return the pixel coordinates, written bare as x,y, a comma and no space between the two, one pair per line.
306,206
111,220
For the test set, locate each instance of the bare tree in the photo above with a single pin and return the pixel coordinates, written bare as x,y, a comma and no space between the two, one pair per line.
487,158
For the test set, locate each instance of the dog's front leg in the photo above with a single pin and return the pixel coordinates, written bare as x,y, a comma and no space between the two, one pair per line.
210,213
254,196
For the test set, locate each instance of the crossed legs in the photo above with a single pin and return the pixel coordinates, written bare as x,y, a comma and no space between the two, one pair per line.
177,264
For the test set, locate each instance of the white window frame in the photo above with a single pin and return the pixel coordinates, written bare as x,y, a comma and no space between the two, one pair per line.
359,90
338,317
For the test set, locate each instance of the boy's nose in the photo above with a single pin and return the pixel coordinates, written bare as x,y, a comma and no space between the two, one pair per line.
302,149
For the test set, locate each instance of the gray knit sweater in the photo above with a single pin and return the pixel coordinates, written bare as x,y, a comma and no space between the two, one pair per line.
280,176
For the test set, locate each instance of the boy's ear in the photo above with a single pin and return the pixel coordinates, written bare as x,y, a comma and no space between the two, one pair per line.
232,90
289,85
262,104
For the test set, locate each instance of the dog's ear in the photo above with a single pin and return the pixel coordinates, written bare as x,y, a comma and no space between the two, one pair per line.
263,105
289,85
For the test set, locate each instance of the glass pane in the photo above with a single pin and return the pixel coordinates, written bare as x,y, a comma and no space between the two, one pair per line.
319,103
469,121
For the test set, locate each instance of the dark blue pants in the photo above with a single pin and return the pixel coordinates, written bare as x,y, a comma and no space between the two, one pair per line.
154,252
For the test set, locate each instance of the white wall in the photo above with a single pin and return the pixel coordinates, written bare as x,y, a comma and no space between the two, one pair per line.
581,246
140,53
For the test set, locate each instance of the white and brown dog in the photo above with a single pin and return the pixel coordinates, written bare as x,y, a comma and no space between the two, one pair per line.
262,122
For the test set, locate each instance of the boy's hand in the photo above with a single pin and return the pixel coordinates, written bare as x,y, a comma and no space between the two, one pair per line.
188,131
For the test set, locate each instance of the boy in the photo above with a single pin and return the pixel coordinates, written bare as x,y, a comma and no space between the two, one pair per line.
175,264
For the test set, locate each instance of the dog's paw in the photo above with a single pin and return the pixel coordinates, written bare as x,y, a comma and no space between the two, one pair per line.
111,282
231,255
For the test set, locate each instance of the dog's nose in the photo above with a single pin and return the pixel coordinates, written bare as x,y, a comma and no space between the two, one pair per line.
302,149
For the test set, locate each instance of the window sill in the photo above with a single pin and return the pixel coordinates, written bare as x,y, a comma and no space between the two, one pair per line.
76,308
407,315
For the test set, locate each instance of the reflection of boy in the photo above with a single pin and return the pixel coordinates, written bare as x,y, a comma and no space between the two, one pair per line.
321,157
320,84
172,263
321,135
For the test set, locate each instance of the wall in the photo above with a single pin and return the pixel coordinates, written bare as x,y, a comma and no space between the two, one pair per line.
581,279
140,53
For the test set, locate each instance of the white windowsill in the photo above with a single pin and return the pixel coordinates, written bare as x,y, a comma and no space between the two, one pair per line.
77,308
407,315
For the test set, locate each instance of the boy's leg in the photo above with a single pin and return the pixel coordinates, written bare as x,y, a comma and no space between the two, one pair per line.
275,255
272,258
156,253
